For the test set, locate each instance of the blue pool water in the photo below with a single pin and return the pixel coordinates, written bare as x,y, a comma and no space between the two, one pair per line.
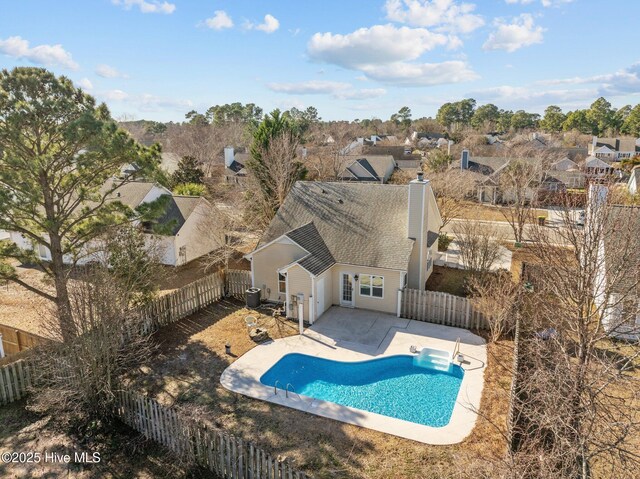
394,386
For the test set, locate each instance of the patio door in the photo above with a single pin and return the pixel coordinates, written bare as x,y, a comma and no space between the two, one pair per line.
346,290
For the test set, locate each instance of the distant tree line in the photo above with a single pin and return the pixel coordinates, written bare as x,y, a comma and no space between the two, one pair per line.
599,119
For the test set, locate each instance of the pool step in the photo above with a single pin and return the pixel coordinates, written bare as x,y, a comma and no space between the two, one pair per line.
433,359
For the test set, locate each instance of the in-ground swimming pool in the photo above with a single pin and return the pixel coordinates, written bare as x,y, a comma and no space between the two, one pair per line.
396,386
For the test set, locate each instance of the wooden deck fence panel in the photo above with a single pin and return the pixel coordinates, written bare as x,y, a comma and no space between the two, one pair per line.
15,380
15,340
237,282
225,455
440,308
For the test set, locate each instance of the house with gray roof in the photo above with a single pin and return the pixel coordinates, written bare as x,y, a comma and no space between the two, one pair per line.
376,168
184,231
349,244
614,149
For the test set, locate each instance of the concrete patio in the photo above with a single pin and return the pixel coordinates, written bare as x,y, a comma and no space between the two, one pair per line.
344,334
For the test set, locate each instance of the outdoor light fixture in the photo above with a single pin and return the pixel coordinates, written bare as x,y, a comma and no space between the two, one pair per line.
356,277
227,348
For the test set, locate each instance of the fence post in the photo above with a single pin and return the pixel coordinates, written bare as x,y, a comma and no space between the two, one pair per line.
398,307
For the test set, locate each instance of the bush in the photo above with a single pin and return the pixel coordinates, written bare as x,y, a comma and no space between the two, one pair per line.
189,189
444,241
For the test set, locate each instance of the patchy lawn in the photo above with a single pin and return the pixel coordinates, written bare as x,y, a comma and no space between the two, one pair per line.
448,280
186,373
123,452
23,309
478,211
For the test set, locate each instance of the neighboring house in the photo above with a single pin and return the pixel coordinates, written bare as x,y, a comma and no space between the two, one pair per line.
614,149
348,244
187,219
597,168
234,170
565,164
616,285
487,170
378,168
634,181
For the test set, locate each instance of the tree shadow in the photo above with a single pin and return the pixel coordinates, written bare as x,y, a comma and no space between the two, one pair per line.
185,373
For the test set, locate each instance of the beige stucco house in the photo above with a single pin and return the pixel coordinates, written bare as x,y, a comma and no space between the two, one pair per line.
349,244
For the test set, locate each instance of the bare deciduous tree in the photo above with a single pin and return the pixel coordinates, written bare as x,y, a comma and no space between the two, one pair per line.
497,296
479,245
578,399
519,181
80,378
451,187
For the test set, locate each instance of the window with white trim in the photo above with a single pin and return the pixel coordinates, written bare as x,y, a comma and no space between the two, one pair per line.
282,284
371,285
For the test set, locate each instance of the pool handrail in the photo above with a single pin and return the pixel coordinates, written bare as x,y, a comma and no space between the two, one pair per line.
293,389
456,350
275,387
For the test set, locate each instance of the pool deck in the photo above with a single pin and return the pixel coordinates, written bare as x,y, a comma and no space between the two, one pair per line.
345,334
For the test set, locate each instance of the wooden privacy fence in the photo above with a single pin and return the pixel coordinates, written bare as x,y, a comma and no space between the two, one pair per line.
512,415
183,302
15,379
440,308
237,282
15,340
225,455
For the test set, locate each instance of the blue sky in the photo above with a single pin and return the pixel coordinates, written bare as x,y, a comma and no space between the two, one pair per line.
158,59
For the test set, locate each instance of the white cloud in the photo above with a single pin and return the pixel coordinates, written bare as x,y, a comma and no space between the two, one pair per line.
48,55
521,32
444,15
545,3
622,82
145,102
85,84
147,6
385,53
114,95
522,96
338,90
269,25
106,71
421,74
362,94
379,44
219,21
308,87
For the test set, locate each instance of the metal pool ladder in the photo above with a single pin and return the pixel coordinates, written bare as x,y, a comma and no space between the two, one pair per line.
275,387
456,349
286,391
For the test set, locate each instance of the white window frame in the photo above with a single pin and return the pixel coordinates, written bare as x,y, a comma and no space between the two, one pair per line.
370,295
283,281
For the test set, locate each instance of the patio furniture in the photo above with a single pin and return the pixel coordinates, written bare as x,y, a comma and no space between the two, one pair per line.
250,322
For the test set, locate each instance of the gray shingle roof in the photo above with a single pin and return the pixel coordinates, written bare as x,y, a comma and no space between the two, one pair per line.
130,194
360,224
178,211
319,258
618,144
375,165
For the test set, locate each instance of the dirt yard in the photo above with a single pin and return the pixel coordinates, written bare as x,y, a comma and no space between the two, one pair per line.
186,373
23,309
448,280
478,211
123,452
